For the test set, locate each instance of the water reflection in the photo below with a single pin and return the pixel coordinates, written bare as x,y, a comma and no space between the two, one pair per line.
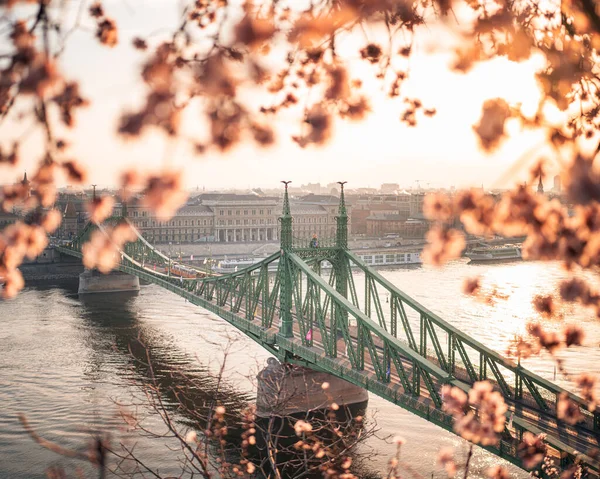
153,361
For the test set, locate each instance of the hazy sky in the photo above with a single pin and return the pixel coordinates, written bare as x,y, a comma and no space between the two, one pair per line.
441,151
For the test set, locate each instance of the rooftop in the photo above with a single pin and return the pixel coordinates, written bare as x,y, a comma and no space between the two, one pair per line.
195,210
214,198
299,208
386,217
320,199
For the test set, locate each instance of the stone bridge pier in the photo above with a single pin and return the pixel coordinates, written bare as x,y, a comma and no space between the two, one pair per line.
92,281
288,390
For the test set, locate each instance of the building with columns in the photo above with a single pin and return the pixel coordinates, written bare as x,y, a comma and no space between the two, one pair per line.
314,215
192,223
242,218
235,218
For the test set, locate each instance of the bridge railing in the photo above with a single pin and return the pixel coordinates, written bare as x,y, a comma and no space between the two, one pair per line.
459,354
308,242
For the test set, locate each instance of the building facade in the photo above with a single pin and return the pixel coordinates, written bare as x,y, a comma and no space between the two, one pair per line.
190,224
385,224
236,218
242,218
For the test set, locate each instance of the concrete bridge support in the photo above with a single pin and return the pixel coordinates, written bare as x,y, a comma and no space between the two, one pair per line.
287,390
287,394
92,281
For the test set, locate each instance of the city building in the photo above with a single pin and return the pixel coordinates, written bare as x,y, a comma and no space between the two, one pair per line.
416,205
243,218
385,224
69,227
72,205
193,223
389,188
360,213
389,204
315,214
221,217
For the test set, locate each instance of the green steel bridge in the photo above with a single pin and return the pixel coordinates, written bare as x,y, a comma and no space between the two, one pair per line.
377,338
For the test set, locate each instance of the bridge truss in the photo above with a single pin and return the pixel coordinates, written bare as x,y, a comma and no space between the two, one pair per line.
303,305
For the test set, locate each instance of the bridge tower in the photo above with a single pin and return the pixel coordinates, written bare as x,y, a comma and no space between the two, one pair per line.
342,220
289,388
285,300
340,263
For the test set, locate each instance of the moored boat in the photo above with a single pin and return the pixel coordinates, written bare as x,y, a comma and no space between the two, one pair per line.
500,253
374,258
387,258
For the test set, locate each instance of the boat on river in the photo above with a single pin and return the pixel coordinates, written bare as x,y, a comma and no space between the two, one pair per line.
376,258
389,258
494,253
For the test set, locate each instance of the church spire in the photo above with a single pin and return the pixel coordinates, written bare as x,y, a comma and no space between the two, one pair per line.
540,187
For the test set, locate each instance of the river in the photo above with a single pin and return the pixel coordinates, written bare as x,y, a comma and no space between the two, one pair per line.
66,364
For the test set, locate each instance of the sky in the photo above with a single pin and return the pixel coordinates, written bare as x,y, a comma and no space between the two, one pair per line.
440,152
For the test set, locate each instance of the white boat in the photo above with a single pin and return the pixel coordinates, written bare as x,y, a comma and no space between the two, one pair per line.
389,258
234,265
371,259
500,253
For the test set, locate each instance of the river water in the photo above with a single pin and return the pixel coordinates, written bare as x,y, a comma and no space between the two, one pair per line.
69,366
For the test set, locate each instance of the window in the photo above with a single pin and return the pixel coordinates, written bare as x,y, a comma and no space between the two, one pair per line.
237,212
229,222
368,259
268,212
221,212
378,259
245,212
389,258
237,222
261,212
228,212
253,212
